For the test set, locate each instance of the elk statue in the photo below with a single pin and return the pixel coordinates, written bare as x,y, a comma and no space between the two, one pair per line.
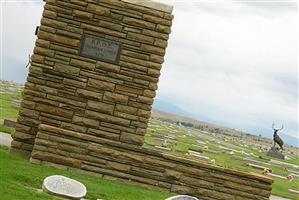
276,137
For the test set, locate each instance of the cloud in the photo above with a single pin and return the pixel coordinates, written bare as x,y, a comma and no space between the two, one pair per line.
234,63
19,22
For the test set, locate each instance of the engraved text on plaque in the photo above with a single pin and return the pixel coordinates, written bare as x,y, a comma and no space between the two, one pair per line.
100,49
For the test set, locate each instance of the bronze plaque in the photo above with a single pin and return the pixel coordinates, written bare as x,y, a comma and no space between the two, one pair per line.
100,49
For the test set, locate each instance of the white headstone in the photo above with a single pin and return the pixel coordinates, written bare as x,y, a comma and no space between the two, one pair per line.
182,197
63,186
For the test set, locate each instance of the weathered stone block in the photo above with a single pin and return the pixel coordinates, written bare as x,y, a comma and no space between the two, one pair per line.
101,85
53,23
82,64
171,174
97,9
101,107
67,69
54,110
85,122
112,26
37,58
153,72
161,43
149,93
104,134
107,118
153,49
155,34
131,138
43,52
163,29
42,43
82,14
73,127
50,14
107,67
71,82
141,38
157,20
116,98
59,39
129,89
89,94
138,22
103,30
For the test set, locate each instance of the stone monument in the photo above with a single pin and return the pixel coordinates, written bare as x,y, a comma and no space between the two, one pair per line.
276,152
95,69
92,80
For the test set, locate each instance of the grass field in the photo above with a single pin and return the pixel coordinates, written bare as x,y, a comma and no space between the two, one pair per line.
21,180
7,109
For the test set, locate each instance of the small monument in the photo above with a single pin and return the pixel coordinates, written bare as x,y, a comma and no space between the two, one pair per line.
182,197
276,152
65,187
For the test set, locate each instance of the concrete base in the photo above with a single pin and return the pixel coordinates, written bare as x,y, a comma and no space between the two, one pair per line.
273,152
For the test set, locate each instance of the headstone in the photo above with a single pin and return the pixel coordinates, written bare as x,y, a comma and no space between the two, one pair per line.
63,186
284,164
273,152
276,175
197,155
9,123
294,192
182,197
259,167
163,148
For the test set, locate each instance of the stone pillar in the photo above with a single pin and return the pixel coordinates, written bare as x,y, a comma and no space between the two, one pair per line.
95,69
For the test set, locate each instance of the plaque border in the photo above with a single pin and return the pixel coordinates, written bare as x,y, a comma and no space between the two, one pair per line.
84,36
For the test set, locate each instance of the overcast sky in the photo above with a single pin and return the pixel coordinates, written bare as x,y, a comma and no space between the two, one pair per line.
232,63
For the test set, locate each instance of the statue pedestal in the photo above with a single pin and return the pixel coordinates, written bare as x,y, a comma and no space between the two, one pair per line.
273,152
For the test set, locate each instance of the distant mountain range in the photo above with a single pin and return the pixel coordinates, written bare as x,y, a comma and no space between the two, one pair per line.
168,111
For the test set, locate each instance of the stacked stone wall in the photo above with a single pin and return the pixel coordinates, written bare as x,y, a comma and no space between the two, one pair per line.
88,114
119,161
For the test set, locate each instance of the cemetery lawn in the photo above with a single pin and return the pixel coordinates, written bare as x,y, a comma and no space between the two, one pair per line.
7,110
184,141
21,180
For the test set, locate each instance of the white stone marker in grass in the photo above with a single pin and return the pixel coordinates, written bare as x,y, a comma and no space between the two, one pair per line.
182,197
163,148
294,192
277,176
65,187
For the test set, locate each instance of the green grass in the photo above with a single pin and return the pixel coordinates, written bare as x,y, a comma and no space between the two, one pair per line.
280,188
20,180
7,111
5,129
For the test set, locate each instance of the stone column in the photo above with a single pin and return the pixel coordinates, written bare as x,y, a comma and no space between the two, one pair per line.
95,69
